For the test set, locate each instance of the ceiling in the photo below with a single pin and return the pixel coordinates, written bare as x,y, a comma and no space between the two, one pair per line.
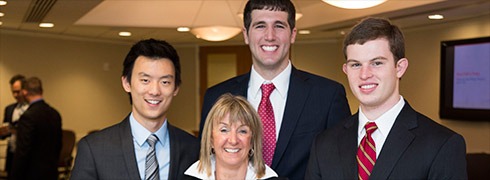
103,19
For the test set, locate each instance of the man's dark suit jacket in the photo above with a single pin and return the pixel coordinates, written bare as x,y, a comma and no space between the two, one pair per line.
109,154
7,118
416,148
9,111
313,104
38,143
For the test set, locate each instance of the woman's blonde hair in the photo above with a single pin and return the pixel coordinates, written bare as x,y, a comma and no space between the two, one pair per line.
239,110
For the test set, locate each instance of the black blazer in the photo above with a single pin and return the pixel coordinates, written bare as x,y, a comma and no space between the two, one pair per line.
313,104
109,154
38,143
9,110
416,148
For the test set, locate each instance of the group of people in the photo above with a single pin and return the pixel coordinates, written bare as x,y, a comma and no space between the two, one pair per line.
275,122
34,131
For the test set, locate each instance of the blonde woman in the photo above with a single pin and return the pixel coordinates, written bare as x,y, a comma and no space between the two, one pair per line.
231,145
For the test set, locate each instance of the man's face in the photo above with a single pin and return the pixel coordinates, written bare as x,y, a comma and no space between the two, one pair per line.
269,37
152,88
17,91
372,73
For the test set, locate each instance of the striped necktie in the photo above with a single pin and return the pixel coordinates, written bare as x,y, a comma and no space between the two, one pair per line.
151,164
366,153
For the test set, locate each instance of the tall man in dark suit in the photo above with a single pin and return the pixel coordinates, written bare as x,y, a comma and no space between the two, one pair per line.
11,116
38,143
399,142
151,77
303,104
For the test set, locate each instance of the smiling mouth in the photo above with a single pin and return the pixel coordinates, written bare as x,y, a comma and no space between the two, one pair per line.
232,150
368,86
269,48
154,102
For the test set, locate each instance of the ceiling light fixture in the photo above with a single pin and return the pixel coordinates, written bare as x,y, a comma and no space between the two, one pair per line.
436,16
183,29
354,4
304,31
215,33
2,14
2,3
1,23
124,34
46,25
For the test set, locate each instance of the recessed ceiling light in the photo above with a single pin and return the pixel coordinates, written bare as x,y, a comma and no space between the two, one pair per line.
2,3
1,23
2,14
183,29
304,31
46,25
436,16
125,34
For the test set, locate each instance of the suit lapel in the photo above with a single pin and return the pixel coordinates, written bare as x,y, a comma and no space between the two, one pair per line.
298,92
348,147
128,149
174,153
396,143
241,85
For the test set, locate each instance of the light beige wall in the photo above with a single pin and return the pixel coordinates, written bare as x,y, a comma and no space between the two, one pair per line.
183,112
87,95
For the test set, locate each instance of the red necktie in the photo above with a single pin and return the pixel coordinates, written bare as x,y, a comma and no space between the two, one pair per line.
366,153
266,114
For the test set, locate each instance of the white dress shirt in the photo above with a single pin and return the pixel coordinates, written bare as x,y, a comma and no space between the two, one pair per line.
384,123
278,97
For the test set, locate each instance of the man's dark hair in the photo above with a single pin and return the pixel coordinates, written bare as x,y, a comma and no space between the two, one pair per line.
153,49
373,28
271,5
18,77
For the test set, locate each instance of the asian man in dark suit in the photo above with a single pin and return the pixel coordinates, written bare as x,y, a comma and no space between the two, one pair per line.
303,104
38,131
151,77
397,142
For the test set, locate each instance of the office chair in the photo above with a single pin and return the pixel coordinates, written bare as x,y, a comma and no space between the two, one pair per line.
66,157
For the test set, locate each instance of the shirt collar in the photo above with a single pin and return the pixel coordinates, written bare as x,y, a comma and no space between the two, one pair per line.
281,82
385,121
140,133
193,171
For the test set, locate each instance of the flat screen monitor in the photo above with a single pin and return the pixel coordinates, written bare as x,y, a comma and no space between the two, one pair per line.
465,79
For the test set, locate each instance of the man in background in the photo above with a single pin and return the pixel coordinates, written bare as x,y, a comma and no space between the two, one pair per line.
294,105
38,143
11,116
386,138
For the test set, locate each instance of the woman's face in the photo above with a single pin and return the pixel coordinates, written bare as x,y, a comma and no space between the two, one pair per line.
231,142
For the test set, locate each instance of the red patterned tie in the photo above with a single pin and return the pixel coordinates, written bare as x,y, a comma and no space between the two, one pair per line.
266,113
366,153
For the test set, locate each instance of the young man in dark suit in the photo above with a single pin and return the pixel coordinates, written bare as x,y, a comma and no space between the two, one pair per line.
386,138
38,131
303,104
11,117
151,77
